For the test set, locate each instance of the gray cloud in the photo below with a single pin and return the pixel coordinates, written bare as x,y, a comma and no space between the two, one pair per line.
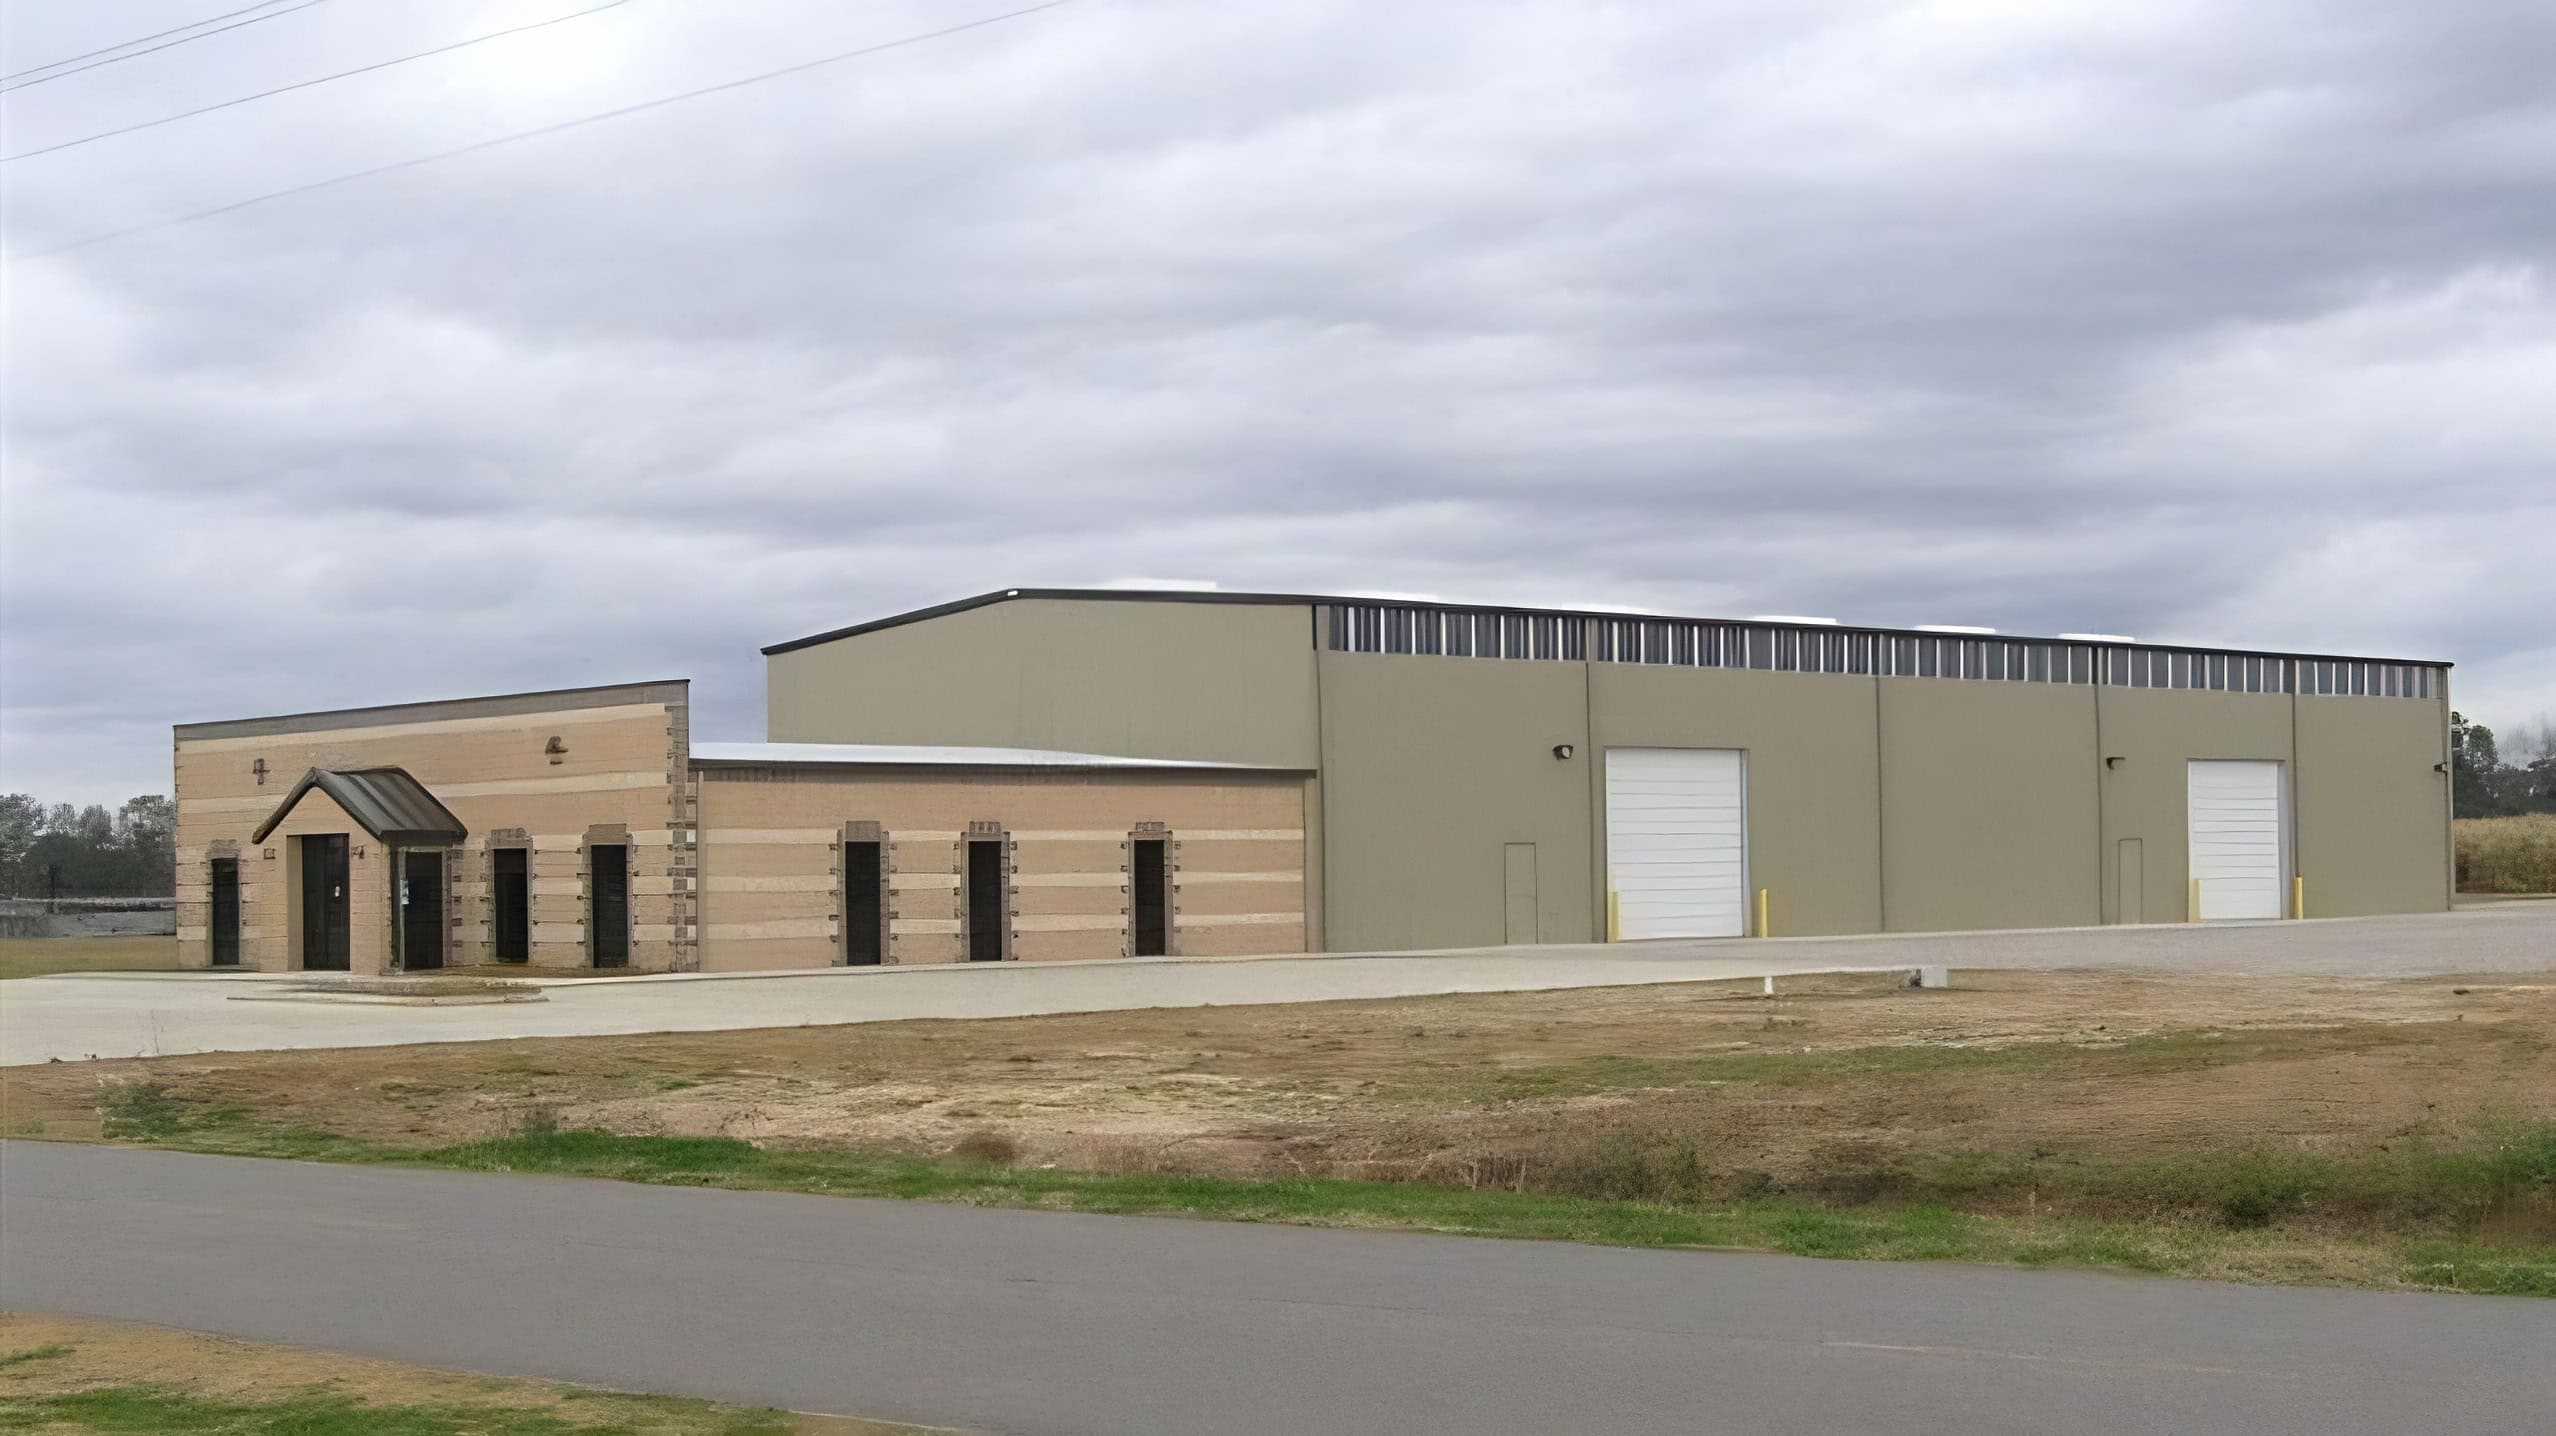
2193,321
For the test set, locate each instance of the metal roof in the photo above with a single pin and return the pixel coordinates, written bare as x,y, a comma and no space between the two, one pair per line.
894,755
394,807
1169,595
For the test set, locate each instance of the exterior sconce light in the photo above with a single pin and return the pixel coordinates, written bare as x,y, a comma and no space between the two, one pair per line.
270,855
259,768
2440,767
1562,752
557,749
2112,762
359,850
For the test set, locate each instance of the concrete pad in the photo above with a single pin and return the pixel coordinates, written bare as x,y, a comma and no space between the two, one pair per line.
69,1018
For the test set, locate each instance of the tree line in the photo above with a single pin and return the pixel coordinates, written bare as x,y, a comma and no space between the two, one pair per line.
130,852
2490,780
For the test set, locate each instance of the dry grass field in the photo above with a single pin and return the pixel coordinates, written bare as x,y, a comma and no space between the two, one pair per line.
2291,1128
2507,855
43,956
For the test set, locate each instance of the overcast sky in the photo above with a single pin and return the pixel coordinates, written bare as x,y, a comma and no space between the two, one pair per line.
2194,320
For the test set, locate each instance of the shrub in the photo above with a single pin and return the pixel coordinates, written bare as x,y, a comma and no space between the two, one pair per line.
2507,855
986,1147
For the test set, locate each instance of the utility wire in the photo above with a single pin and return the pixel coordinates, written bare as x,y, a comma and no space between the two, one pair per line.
306,84
141,39
583,120
155,49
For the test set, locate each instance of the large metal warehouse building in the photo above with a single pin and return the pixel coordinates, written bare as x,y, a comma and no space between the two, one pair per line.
1040,774
1486,775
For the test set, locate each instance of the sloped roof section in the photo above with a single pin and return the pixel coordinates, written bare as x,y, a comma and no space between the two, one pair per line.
887,755
391,805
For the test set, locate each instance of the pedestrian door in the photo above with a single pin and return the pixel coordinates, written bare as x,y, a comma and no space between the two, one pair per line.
325,936
421,911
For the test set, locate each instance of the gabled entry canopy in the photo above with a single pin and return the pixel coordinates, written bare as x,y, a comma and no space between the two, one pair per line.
394,807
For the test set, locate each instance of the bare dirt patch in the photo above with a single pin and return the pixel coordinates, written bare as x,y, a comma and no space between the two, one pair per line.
1832,1073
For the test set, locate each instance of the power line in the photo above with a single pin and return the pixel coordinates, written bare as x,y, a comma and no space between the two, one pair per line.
155,49
140,39
536,133
306,84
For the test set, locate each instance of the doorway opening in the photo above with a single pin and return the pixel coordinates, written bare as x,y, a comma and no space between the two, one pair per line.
1149,894
988,905
864,905
510,893
608,904
226,912
326,945
421,911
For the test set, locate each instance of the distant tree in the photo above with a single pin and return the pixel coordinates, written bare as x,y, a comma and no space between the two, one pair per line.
21,819
130,852
2476,787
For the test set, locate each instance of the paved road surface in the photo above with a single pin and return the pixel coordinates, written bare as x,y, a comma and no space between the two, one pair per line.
130,1016
1055,1322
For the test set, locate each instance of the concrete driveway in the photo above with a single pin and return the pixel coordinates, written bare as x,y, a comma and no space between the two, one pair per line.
134,1015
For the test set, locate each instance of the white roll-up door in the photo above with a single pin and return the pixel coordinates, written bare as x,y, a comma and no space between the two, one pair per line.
1677,841
2236,840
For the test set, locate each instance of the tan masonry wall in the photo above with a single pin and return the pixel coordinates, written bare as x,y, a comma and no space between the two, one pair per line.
624,767
771,848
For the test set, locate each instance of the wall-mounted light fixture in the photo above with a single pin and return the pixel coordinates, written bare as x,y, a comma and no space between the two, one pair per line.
1562,752
2440,767
359,850
259,768
270,855
557,749
2112,762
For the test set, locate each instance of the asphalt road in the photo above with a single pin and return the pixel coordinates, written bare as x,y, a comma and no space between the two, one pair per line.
1055,1322
70,1018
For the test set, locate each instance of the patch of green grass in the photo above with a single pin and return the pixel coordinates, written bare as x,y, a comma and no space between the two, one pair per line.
45,1352
1882,1230
147,1410
142,1111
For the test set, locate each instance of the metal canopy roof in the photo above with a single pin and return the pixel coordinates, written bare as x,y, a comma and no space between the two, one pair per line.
893,755
394,807
1174,595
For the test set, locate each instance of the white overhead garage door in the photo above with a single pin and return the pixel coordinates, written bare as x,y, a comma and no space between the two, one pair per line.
2237,852
1677,841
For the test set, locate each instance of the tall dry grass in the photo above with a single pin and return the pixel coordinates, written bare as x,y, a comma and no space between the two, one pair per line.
2507,855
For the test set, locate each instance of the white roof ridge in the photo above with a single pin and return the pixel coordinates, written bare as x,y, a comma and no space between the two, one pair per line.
945,755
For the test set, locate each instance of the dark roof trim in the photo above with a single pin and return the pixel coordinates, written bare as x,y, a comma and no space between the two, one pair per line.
1151,595
394,807
494,705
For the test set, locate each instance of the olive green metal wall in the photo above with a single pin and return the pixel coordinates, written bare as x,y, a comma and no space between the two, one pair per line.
1814,840
2147,737
2372,810
1430,767
1988,804
1230,683
1898,804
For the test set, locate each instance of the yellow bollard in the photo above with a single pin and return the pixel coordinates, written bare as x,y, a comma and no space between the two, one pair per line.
1614,918
1764,928
2192,904
2298,895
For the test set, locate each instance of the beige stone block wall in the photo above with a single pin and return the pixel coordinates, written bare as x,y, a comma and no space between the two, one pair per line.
624,768
772,859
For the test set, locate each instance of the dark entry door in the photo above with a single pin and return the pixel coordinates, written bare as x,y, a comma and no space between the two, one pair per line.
608,912
512,937
421,911
226,912
985,902
861,893
1150,887
325,944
